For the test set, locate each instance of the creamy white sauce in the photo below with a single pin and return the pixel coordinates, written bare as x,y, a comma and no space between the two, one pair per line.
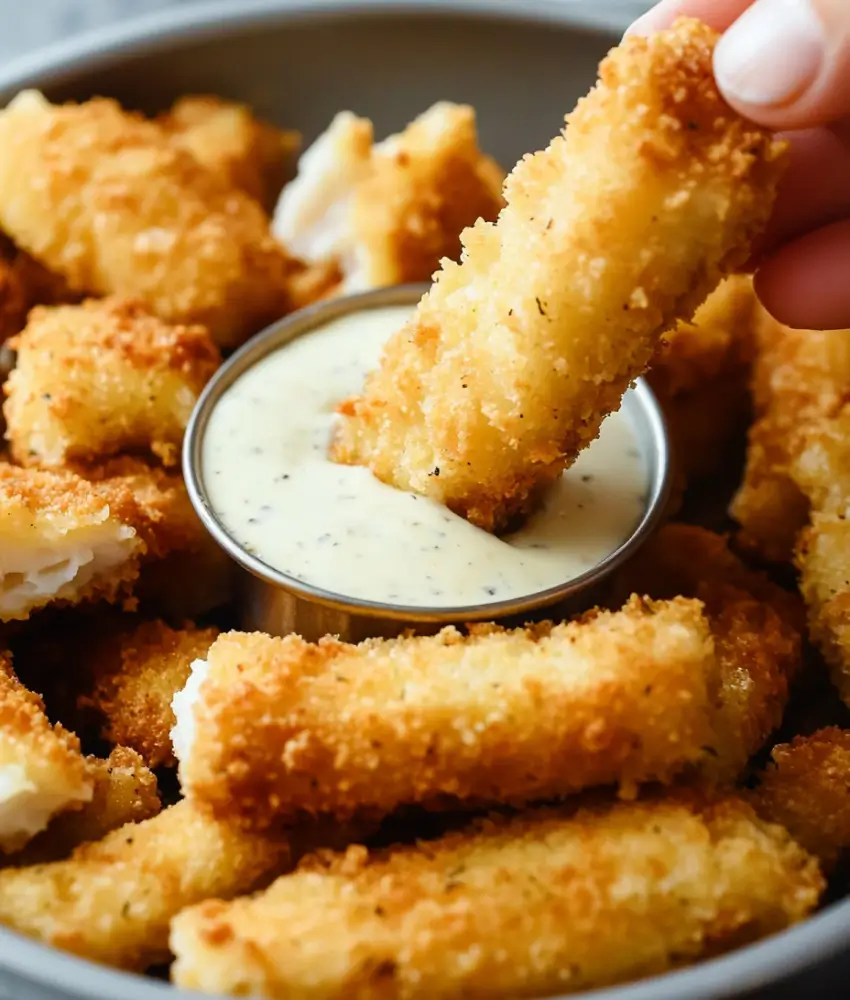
274,489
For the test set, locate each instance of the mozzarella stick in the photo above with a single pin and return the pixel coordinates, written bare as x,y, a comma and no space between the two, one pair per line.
274,727
123,791
42,771
806,789
112,900
621,227
546,903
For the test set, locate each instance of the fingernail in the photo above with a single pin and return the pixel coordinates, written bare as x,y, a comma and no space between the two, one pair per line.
772,54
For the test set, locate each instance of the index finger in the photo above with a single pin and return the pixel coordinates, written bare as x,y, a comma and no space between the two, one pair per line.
718,14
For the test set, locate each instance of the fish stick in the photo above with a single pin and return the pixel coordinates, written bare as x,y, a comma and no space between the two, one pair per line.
806,789
757,629
134,672
548,902
800,377
42,772
387,214
228,140
64,540
112,900
620,228
101,378
104,198
123,791
701,378
271,727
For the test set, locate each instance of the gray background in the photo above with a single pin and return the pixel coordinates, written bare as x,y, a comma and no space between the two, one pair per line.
30,24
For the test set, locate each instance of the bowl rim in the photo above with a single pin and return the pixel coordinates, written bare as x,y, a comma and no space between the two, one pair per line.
766,963
646,416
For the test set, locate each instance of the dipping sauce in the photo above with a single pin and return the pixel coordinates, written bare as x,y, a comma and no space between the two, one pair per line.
274,489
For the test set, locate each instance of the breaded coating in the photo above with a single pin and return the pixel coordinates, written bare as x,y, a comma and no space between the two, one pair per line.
42,771
800,377
621,227
100,378
701,378
112,900
273,727
549,902
64,540
387,214
123,791
135,672
806,789
228,140
105,199
757,629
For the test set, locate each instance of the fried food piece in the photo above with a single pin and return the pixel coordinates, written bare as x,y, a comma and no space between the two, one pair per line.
112,900
135,672
123,791
547,902
800,377
64,540
701,378
757,628
228,140
273,727
42,771
620,228
101,378
806,789
388,213
105,199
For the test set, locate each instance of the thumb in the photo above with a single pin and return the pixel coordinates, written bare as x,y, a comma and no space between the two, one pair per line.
786,63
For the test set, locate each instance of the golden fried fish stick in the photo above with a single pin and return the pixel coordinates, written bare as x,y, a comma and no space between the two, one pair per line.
549,902
806,789
273,727
112,900
799,378
135,672
106,200
757,629
64,540
123,791
701,378
620,228
227,139
101,378
42,771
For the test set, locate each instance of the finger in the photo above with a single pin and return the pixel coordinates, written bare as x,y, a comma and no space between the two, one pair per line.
805,284
816,188
786,63
719,14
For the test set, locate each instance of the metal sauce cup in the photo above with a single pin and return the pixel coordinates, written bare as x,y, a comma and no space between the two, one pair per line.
271,601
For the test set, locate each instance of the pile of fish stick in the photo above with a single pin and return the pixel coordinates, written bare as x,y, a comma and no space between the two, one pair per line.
488,811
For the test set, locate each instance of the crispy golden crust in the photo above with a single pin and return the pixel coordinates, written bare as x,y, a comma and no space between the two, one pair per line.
701,378
757,629
135,672
43,771
124,791
799,378
806,789
111,901
101,378
544,903
283,726
106,200
229,141
621,227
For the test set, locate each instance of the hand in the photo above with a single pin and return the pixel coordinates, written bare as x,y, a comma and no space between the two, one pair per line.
786,65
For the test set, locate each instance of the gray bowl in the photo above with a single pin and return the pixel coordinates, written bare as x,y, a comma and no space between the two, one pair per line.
522,63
